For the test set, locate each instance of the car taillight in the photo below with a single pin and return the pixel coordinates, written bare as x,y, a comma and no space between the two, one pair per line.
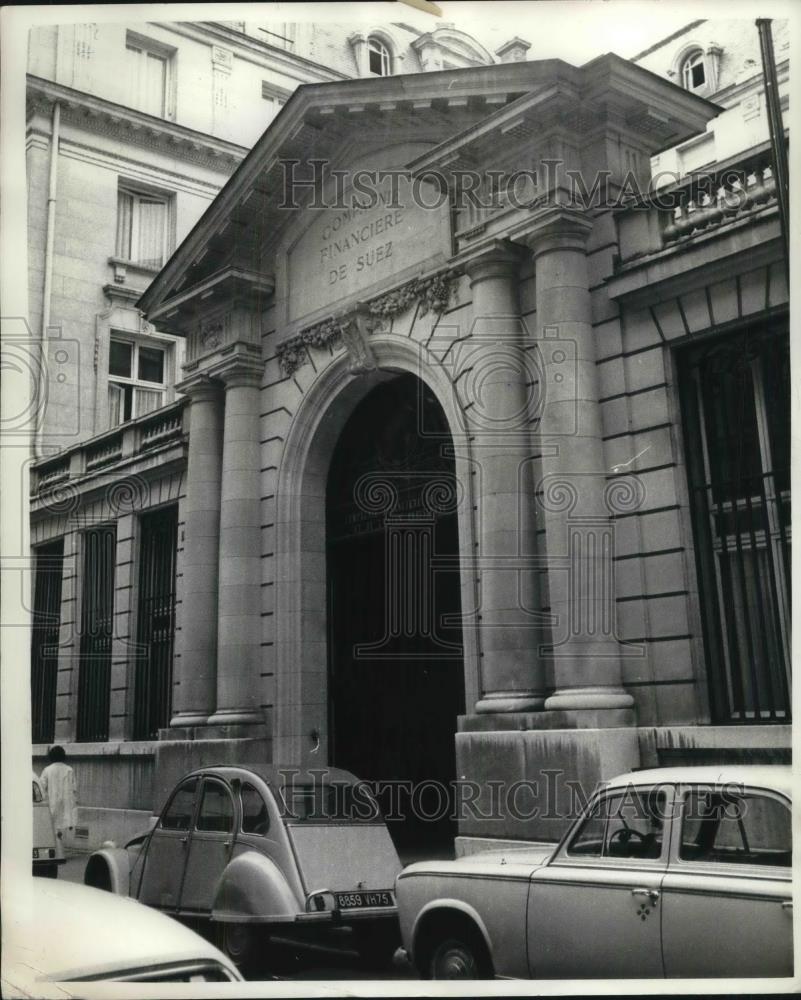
36,852
52,852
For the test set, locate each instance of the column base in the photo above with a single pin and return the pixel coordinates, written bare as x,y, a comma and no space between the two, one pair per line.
183,719
593,698
511,701
236,717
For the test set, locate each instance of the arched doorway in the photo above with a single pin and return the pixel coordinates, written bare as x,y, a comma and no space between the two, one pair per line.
396,676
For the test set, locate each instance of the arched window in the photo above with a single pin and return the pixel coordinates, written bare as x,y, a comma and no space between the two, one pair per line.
693,71
379,57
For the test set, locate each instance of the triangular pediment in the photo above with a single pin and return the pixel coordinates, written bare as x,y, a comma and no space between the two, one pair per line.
247,222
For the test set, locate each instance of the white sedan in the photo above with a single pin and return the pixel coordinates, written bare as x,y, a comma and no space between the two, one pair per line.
57,932
675,872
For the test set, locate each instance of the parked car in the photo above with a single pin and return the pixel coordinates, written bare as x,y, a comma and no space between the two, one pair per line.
48,853
261,848
60,932
670,872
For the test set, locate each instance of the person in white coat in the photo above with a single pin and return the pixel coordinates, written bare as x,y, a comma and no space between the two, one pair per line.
58,782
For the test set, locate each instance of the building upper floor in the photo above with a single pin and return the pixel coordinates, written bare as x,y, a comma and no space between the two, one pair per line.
230,79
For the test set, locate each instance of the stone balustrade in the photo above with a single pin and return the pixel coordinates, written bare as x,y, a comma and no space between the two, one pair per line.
136,437
712,200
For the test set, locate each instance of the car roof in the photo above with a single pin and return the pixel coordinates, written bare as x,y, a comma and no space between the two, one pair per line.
776,776
63,930
281,775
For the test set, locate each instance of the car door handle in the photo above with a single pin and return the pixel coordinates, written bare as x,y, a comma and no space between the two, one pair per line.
652,894
787,904
184,841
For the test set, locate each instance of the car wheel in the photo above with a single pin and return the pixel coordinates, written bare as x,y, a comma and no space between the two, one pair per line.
454,958
239,942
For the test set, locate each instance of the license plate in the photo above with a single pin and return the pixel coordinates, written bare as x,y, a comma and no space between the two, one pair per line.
364,900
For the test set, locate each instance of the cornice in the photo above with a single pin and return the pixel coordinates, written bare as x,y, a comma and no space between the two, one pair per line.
260,52
226,282
116,119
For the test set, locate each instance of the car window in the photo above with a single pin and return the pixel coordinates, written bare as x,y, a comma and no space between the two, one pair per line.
216,809
339,802
254,810
727,827
37,792
623,825
178,814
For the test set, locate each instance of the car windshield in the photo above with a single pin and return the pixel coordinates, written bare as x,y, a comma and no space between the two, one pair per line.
335,802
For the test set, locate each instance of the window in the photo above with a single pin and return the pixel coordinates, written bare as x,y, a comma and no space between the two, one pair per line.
629,825
97,618
148,75
37,792
216,809
731,828
46,623
736,410
337,802
693,74
379,60
282,35
254,810
178,814
155,622
136,382
272,92
142,227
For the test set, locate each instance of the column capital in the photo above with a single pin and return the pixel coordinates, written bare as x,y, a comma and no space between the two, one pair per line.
498,259
238,370
557,228
200,387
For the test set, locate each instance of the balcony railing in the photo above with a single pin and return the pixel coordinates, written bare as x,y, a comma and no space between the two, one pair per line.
715,198
123,443
711,200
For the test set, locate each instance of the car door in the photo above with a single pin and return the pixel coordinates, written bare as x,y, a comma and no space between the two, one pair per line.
594,911
167,848
726,897
209,847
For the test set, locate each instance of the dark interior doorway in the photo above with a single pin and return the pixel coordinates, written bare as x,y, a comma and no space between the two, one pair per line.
396,677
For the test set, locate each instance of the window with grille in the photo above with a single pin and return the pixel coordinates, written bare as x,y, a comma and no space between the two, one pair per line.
155,622
44,639
142,227
96,624
379,58
148,70
136,379
736,408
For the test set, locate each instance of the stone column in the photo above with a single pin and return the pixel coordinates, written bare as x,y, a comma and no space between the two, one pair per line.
497,384
196,666
572,491
239,604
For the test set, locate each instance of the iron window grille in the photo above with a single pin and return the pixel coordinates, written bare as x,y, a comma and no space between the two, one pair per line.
736,405
97,618
155,622
45,639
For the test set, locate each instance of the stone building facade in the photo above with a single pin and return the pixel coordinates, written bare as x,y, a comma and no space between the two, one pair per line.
450,490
